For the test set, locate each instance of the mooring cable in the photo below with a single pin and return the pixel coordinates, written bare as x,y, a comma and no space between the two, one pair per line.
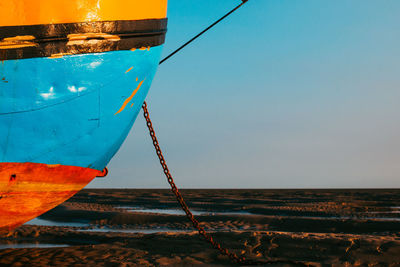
203,31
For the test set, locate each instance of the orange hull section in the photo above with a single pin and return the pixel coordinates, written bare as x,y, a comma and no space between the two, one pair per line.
28,190
33,12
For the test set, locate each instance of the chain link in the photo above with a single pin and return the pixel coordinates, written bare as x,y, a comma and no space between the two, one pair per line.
233,256
195,222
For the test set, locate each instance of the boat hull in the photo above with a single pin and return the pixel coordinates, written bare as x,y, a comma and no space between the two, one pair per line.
73,77
30,189
74,110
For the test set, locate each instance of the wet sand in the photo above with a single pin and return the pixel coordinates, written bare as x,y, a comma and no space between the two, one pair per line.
145,228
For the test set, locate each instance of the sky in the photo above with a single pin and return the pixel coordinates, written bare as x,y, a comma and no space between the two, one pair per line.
282,94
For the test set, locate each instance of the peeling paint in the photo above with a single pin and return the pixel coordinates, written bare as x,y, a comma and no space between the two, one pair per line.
50,94
60,55
18,42
73,89
90,38
95,64
129,70
129,98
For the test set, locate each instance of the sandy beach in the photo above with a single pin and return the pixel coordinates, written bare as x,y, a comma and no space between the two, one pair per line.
134,227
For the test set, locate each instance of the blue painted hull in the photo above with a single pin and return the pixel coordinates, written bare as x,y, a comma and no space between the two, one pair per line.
73,110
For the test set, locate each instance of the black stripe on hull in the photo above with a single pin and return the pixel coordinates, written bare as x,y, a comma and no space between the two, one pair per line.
19,42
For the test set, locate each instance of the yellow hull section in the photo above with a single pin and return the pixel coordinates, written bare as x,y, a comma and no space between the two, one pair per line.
33,12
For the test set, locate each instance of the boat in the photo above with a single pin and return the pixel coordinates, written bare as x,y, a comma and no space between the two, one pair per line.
73,77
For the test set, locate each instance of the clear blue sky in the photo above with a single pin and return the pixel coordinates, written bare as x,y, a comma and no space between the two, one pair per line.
283,94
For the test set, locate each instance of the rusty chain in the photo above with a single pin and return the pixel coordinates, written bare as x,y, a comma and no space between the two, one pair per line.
195,222
167,173
233,256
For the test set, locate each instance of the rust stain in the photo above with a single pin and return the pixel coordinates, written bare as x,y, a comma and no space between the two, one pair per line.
129,70
18,42
90,38
129,98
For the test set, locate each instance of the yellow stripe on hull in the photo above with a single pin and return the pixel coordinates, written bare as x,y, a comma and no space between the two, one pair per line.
33,12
